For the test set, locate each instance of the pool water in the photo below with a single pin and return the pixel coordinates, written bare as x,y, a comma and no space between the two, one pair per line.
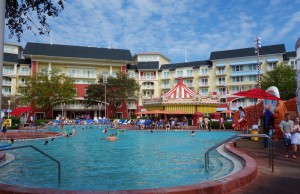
138,160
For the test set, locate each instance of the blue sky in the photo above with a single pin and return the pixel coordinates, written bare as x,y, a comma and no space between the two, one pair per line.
173,26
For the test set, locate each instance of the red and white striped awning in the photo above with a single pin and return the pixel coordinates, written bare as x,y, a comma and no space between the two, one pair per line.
180,91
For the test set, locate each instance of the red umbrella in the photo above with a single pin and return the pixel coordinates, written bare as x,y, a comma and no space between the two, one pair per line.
257,93
20,110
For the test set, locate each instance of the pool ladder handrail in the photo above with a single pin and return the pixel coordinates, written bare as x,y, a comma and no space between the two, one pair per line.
271,155
45,154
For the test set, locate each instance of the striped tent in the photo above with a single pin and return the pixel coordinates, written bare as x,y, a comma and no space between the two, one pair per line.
179,91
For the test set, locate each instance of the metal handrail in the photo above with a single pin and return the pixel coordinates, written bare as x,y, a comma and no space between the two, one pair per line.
45,154
271,156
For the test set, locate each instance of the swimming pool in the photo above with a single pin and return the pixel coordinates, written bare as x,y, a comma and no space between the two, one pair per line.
139,160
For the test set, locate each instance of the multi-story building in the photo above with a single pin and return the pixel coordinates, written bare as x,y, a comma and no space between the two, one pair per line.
224,73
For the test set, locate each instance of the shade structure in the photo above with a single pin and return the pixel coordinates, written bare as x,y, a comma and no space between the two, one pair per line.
257,93
142,112
179,112
21,110
153,112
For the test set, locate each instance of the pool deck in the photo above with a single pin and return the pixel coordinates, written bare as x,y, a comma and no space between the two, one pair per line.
284,179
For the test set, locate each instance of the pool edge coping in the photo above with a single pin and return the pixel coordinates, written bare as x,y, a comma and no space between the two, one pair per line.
223,185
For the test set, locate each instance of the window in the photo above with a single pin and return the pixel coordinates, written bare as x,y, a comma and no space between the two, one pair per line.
131,75
222,91
8,70
189,72
105,73
6,91
165,75
204,71
188,82
44,70
223,100
235,89
271,66
237,68
238,79
253,67
24,70
179,73
221,80
75,91
85,90
204,92
252,77
221,70
204,82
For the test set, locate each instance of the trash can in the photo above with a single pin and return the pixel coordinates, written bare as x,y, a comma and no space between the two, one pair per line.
254,131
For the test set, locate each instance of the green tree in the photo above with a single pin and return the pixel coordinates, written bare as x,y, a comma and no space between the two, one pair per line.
31,15
284,78
118,90
46,90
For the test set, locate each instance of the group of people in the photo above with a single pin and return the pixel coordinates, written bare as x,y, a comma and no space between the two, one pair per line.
291,131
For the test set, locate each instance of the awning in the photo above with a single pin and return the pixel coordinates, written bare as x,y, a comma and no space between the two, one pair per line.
244,73
221,65
20,110
243,63
272,60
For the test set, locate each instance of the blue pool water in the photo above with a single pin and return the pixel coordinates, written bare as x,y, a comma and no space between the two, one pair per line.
139,160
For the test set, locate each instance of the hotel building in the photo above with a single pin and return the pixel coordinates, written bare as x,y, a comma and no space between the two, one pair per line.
223,74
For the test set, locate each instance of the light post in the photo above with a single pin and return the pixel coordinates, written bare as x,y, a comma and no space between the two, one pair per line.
8,107
105,82
100,106
62,109
257,46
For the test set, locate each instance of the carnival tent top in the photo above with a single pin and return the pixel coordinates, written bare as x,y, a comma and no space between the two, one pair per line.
179,91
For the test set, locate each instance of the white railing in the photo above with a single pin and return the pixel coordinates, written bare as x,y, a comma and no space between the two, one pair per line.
6,83
220,83
220,73
81,75
165,77
8,72
203,84
24,73
75,106
148,77
184,75
147,86
203,74
131,106
22,84
163,86
189,84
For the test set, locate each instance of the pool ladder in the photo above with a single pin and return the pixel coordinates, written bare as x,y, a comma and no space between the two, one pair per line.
45,154
271,156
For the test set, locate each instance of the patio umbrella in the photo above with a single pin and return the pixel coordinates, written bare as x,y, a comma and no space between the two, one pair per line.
159,112
257,93
21,110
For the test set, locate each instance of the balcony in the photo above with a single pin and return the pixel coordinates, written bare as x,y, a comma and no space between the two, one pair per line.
203,74
131,106
76,106
220,83
81,75
165,86
24,73
203,84
147,87
6,83
190,85
6,93
184,75
22,84
148,77
165,77
7,72
220,73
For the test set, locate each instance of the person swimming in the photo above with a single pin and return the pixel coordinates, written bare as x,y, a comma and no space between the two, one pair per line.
111,138
46,142
192,133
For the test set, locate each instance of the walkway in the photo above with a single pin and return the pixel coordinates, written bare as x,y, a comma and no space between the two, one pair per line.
285,179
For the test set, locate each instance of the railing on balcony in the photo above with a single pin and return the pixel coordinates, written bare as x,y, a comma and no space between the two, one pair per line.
165,77
165,86
6,83
220,72
6,93
24,73
220,83
8,72
184,75
75,106
222,93
82,75
131,106
22,84
148,87
203,84
148,77
189,84
203,74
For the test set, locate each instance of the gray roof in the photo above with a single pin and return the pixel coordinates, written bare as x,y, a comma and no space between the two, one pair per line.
148,65
193,64
297,43
288,55
24,61
8,57
245,52
55,50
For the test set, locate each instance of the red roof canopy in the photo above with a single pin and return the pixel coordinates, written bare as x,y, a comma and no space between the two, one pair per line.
258,94
180,91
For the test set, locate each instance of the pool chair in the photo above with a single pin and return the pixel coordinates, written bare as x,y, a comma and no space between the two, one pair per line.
120,121
147,124
124,122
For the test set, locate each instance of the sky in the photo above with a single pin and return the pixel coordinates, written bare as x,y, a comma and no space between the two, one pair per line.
179,29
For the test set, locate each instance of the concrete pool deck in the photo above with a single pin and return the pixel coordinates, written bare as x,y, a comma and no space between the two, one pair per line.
285,179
